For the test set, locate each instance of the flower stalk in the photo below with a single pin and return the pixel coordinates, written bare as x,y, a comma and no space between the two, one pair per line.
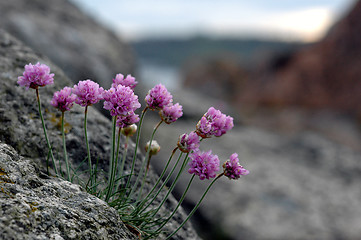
44,128
64,148
196,206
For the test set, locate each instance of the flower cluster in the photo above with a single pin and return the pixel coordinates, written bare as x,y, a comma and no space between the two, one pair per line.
126,120
63,99
232,168
88,93
214,123
122,102
171,113
158,97
188,142
204,164
129,81
35,76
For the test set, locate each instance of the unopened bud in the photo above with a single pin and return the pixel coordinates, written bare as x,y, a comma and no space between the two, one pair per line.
129,130
154,148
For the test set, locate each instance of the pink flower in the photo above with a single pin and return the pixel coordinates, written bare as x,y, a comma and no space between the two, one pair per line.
204,164
120,101
129,81
214,123
171,113
187,143
232,168
87,93
130,118
35,76
63,99
158,97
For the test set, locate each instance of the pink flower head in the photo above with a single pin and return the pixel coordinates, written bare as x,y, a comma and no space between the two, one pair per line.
171,113
35,76
63,99
187,143
120,101
204,164
214,123
158,97
127,120
129,81
87,93
232,168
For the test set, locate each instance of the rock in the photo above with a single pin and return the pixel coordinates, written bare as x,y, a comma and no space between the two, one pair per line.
74,41
21,129
36,206
324,75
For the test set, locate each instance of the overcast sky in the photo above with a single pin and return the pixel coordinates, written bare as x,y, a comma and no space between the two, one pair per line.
305,20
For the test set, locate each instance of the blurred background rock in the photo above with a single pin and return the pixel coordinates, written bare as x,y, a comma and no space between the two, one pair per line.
289,72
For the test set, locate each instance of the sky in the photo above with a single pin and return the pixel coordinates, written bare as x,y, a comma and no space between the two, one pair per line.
289,20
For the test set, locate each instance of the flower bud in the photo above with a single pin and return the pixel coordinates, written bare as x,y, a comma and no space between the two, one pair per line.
154,148
129,130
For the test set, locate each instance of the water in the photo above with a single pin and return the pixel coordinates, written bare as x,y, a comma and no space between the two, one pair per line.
153,74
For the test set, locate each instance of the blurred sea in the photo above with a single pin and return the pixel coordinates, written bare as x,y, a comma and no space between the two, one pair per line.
152,73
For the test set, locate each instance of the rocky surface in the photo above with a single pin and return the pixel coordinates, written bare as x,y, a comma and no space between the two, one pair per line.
36,206
21,129
300,186
80,46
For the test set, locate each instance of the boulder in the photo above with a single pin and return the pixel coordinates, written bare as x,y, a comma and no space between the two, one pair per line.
78,44
36,206
21,129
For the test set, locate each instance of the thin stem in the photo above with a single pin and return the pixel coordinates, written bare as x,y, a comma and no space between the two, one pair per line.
173,184
124,156
179,203
147,159
163,184
136,148
111,163
88,149
116,162
46,135
64,147
196,206
120,171
159,179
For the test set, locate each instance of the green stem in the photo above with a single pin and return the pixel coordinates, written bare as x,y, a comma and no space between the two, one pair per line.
64,147
88,149
111,163
46,135
173,184
124,156
147,159
179,203
136,148
116,161
156,184
195,207
121,169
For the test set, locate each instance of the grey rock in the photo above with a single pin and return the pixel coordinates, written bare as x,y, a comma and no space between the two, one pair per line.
35,206
74,41
21,129
300,186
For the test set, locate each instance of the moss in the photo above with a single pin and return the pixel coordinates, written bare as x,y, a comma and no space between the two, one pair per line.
4,177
